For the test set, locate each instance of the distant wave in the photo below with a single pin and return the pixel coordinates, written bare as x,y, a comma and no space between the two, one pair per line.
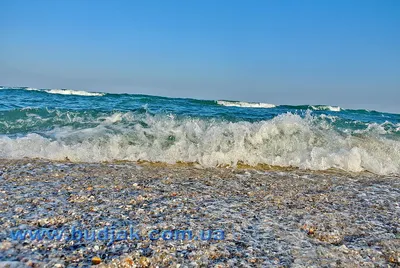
326,108
73,92
226,103
58,91
31,89
267,105
4,87
245,104
314,107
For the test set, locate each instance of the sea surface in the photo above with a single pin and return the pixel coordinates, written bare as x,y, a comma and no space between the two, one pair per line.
59,124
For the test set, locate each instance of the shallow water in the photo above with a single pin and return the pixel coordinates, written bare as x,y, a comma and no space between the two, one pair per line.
274,218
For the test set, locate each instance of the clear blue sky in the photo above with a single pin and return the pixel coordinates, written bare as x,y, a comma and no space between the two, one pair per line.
337,52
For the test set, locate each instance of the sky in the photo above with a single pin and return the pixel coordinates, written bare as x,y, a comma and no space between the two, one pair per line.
344,53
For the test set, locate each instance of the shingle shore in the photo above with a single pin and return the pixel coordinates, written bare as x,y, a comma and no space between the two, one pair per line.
278,218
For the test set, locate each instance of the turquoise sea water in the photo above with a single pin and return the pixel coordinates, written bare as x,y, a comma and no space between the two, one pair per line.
87,126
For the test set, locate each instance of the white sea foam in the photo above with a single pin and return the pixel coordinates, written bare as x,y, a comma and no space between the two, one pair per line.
73,92
58,91
245,104
327,108
286,140
31,89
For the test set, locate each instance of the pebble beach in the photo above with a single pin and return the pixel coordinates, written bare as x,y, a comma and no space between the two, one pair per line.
271,217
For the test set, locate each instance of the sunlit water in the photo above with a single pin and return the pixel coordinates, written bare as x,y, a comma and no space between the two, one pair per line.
86,126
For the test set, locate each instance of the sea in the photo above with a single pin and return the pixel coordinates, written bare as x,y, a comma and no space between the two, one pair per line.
81,126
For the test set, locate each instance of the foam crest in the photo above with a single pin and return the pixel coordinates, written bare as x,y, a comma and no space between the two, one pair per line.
31,89
245,104
73,92
326,108
286,140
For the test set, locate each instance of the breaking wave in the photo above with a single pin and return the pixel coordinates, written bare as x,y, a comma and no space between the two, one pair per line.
73,92
245,104
326,108
309,142
57,91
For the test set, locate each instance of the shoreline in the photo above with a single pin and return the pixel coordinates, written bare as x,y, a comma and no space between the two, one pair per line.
180,164
279,217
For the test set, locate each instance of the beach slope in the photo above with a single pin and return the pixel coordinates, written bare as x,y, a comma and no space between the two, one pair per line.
276,217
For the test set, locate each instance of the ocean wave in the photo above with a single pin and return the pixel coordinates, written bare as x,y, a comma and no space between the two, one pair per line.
6,87
31,89
326,108
314,107
286,140
245,104
57,91
73,92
